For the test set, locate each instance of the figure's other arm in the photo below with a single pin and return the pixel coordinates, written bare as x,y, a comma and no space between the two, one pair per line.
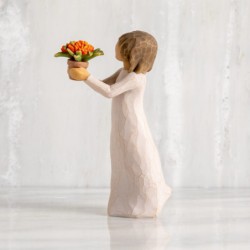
112,79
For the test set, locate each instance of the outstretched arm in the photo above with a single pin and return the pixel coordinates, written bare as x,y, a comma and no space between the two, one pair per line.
109,80
127,83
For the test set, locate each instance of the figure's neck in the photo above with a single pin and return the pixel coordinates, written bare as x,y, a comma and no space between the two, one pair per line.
126,65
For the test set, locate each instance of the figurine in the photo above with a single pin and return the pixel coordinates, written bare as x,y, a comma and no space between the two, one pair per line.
138,188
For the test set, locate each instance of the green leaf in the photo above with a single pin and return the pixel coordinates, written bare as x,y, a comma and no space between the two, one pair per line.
78,58
70,52
79,52
62,54
90,53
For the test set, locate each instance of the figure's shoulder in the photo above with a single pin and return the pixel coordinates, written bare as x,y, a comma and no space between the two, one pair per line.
139,77
125,76
134,74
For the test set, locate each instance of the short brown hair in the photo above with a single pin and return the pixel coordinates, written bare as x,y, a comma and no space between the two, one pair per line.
139,49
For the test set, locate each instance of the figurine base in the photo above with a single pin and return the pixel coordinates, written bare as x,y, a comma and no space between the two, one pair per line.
148,208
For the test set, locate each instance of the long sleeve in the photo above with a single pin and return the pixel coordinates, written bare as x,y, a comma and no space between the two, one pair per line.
127,83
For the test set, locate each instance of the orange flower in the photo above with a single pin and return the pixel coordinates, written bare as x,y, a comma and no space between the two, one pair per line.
80,45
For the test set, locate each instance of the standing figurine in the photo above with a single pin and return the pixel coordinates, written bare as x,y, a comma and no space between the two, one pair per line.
138,188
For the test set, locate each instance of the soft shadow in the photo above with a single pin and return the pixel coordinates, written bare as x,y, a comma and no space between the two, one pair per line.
126,233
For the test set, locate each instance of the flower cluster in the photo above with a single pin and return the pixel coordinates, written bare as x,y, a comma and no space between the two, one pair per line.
81,45
79,51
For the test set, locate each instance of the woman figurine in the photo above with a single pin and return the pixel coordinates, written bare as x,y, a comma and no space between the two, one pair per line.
138,188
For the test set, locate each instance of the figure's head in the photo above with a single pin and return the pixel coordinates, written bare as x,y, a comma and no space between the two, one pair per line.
138,49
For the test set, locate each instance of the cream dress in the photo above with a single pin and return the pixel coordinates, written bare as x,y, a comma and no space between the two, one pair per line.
138,188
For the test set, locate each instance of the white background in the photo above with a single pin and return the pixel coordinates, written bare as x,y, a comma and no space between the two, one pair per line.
55,132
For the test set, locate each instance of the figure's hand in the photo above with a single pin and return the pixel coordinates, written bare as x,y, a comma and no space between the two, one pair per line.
75,64
78,74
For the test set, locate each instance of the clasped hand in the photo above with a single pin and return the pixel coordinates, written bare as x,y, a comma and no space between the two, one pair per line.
78,70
